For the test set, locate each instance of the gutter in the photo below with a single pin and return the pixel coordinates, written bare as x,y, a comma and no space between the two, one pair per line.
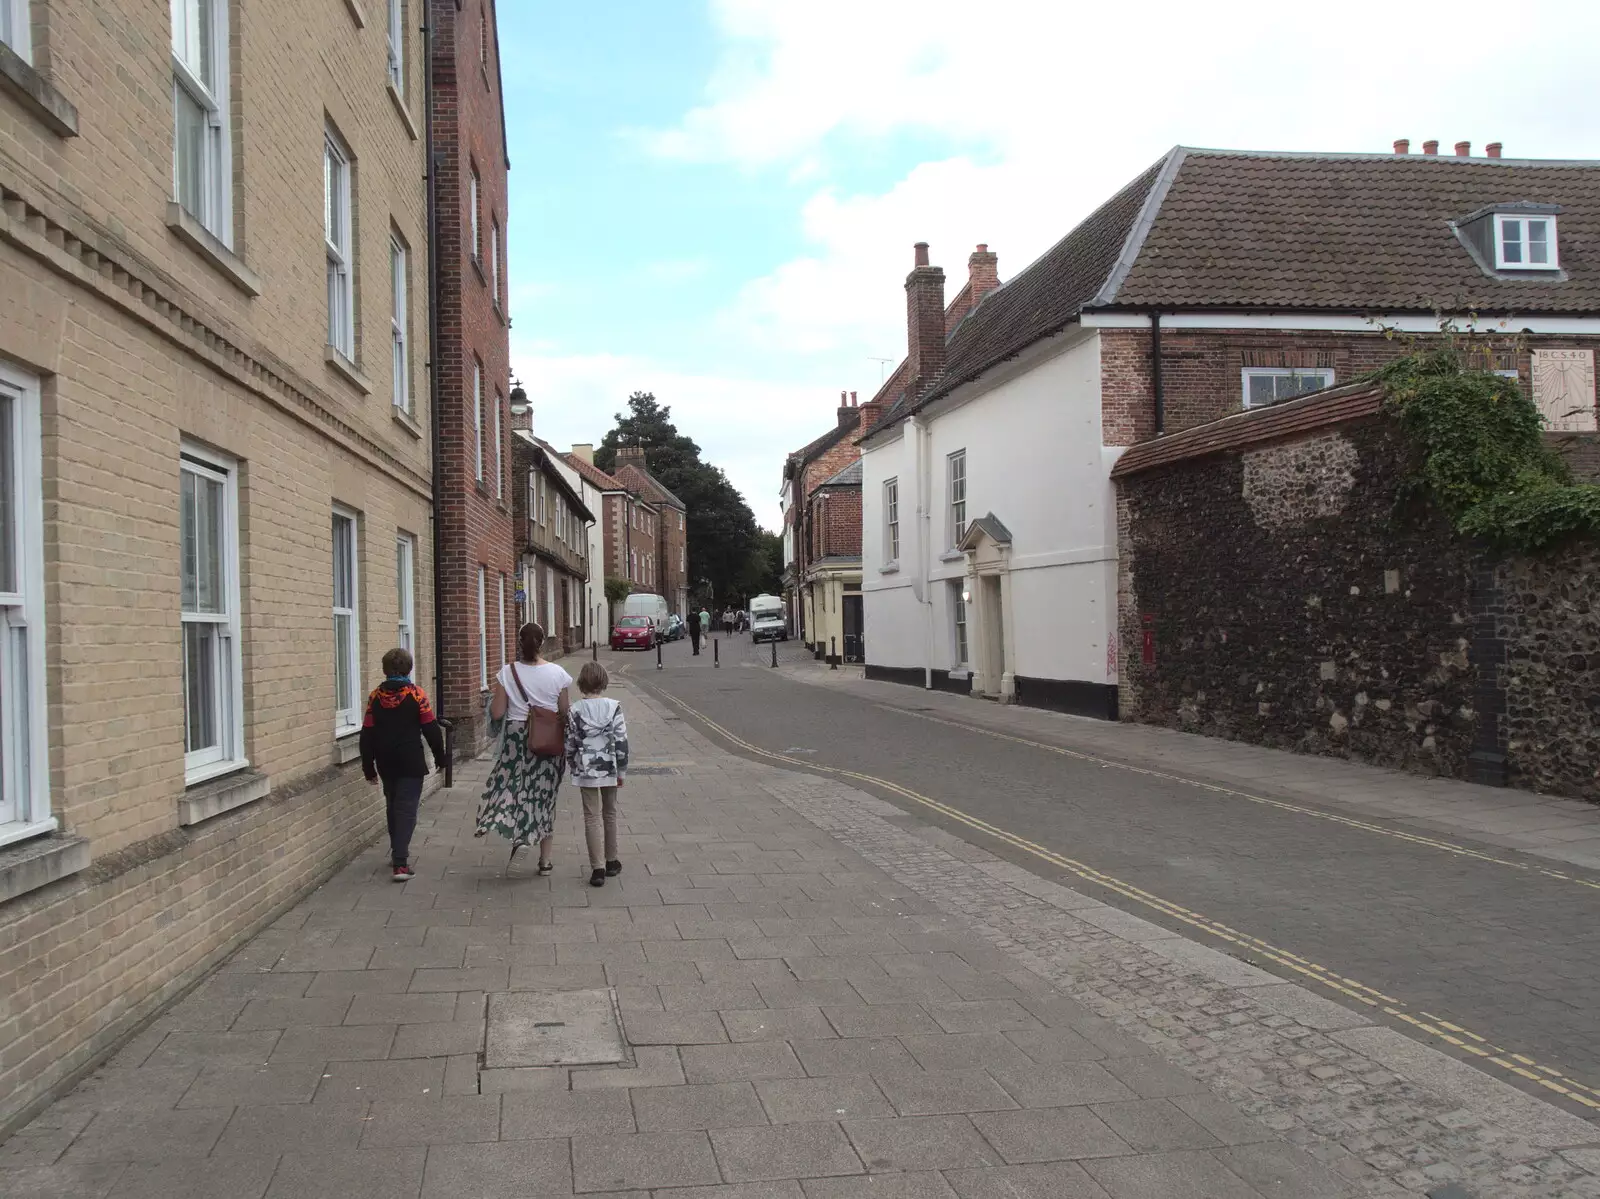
439,692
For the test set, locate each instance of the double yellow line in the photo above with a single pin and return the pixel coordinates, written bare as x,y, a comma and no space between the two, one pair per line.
1452,1034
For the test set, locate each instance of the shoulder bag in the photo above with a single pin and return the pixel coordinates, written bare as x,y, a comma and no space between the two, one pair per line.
546,738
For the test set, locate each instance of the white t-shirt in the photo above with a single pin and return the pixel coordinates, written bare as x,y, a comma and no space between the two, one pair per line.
544,685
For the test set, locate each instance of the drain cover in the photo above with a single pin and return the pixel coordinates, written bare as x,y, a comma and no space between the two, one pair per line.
552,1028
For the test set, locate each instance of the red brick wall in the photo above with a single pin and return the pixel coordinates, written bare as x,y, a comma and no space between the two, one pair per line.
475,526
836,523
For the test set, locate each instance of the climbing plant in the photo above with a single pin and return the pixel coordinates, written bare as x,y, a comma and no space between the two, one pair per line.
1480,454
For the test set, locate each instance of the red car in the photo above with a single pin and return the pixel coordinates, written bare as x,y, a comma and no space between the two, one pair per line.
634,632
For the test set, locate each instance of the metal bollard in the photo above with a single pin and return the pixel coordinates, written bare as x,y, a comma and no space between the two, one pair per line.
716,655
596,646
833,656
774,645
658,655
449,752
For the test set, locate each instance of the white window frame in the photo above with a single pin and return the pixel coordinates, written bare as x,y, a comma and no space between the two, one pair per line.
347,720
216,156
397,45
337,238
502,614
1281,372
14,28
477,414
549,600
499,445
494,257
475,192
400,325
483,626
405,551
227,682
1501,219
24,728
891,520
959,625
956,484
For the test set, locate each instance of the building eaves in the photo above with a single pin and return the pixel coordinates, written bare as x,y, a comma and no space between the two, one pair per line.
543,459
649,483
850,476
592,473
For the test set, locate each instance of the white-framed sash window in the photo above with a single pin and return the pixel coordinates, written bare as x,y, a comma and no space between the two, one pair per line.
1269,384
891,520
405,573
397,45
477,417
346,622
494,258
499,446
1525,242
24,734
400,326
957,472
208,554
502,614
483,626
337,235
14,30
202,153
474,192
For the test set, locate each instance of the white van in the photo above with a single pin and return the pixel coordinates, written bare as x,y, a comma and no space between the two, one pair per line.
642,603
767,622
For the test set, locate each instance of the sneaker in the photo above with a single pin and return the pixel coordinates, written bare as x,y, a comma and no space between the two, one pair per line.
403,874
613,869
597,878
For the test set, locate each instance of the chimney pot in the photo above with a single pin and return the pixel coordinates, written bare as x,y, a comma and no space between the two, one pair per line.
1492,149
921,249
852,399
841,397
983,247
1430,147
1402,145
1463,149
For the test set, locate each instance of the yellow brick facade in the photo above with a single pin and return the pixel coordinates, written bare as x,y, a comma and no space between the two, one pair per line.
139,341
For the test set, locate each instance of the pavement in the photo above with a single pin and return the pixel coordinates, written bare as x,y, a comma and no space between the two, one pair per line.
820,994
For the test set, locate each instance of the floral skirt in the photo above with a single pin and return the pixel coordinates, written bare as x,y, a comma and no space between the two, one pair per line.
519,801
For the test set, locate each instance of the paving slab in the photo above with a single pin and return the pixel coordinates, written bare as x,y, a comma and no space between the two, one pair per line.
698,1106
1050,1180
557,1028
645,1160
920,1143
509,1170
808,1150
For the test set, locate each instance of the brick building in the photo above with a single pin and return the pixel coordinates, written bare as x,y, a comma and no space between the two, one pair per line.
552,531
1215,281
667,530
477,554
597,489
215,480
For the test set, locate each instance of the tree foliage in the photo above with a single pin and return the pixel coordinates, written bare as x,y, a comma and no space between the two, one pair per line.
1481,454
725,544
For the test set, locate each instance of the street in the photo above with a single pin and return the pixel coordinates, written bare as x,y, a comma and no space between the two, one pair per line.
1491,961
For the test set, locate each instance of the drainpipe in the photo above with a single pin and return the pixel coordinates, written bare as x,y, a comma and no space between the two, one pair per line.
921,448
439,691
1155,374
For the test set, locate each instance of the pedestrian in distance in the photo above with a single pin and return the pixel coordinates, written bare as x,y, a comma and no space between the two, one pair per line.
527,714
398,719
705,621
597,756
694,631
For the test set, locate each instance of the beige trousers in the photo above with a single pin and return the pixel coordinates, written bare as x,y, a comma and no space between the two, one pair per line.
600,807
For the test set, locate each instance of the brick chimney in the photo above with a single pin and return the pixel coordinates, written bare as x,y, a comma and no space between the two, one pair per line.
924,321
1463,149
584,450
1402,145
983,272
631,454
1430,147
1492,149
848,412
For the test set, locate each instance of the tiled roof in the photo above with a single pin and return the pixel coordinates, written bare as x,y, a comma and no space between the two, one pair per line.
643,480
850,476
592,473
826,442
1357,232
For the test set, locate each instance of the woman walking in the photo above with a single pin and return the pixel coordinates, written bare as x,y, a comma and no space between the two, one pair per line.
528,710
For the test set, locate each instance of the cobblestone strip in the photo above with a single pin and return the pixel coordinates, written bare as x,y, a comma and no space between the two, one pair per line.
1324,1077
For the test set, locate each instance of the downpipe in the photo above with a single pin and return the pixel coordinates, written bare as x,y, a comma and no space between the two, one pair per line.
921,451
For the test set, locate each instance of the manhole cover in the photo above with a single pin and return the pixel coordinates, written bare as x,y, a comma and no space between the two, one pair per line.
553,1028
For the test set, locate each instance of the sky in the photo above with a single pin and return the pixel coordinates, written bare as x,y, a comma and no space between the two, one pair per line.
716,200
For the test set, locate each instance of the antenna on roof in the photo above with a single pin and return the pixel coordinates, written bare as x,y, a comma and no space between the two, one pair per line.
883,368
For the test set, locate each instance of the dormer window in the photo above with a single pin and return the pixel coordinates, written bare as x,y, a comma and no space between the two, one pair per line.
1525,242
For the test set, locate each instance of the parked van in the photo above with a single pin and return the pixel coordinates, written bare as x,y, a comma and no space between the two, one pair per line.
767,621
642,603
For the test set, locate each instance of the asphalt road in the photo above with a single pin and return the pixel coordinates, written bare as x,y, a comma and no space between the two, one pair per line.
1508,955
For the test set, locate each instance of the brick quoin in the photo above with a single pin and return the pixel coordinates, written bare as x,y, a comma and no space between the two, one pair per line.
475,525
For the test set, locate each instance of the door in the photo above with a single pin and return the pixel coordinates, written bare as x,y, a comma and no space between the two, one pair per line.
994,633
855,641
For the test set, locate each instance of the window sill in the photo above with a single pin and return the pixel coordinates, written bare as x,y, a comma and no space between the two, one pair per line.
37,96
889,568
213,797
404,420
29,865
206,243
501,313
357,13
346,369
952,556
399,103
477,265
346,746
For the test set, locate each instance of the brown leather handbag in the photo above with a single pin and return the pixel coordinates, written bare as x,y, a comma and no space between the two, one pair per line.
546,737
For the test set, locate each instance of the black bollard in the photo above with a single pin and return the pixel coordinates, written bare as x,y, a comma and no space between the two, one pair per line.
716,654
658,655
596,651
833,656
449,752
774,645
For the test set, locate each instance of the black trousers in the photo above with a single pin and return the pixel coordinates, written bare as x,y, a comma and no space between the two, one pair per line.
401,797
694,636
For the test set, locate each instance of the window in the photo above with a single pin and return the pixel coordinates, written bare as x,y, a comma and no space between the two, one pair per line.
477,234
14,30
397,45
336,232
494,258
400,324
201,153
483,38
499,449
477,416
681,564
958,606
208,550
502,616
24,744
957,473
483,627
1268,384
405,572
1525,243
891,520
549,600
346,625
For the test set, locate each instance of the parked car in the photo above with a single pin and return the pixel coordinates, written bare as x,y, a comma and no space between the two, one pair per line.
675,629
645,603
633,632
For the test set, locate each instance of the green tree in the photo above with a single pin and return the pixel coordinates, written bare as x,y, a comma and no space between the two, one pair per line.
617,590
724,540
